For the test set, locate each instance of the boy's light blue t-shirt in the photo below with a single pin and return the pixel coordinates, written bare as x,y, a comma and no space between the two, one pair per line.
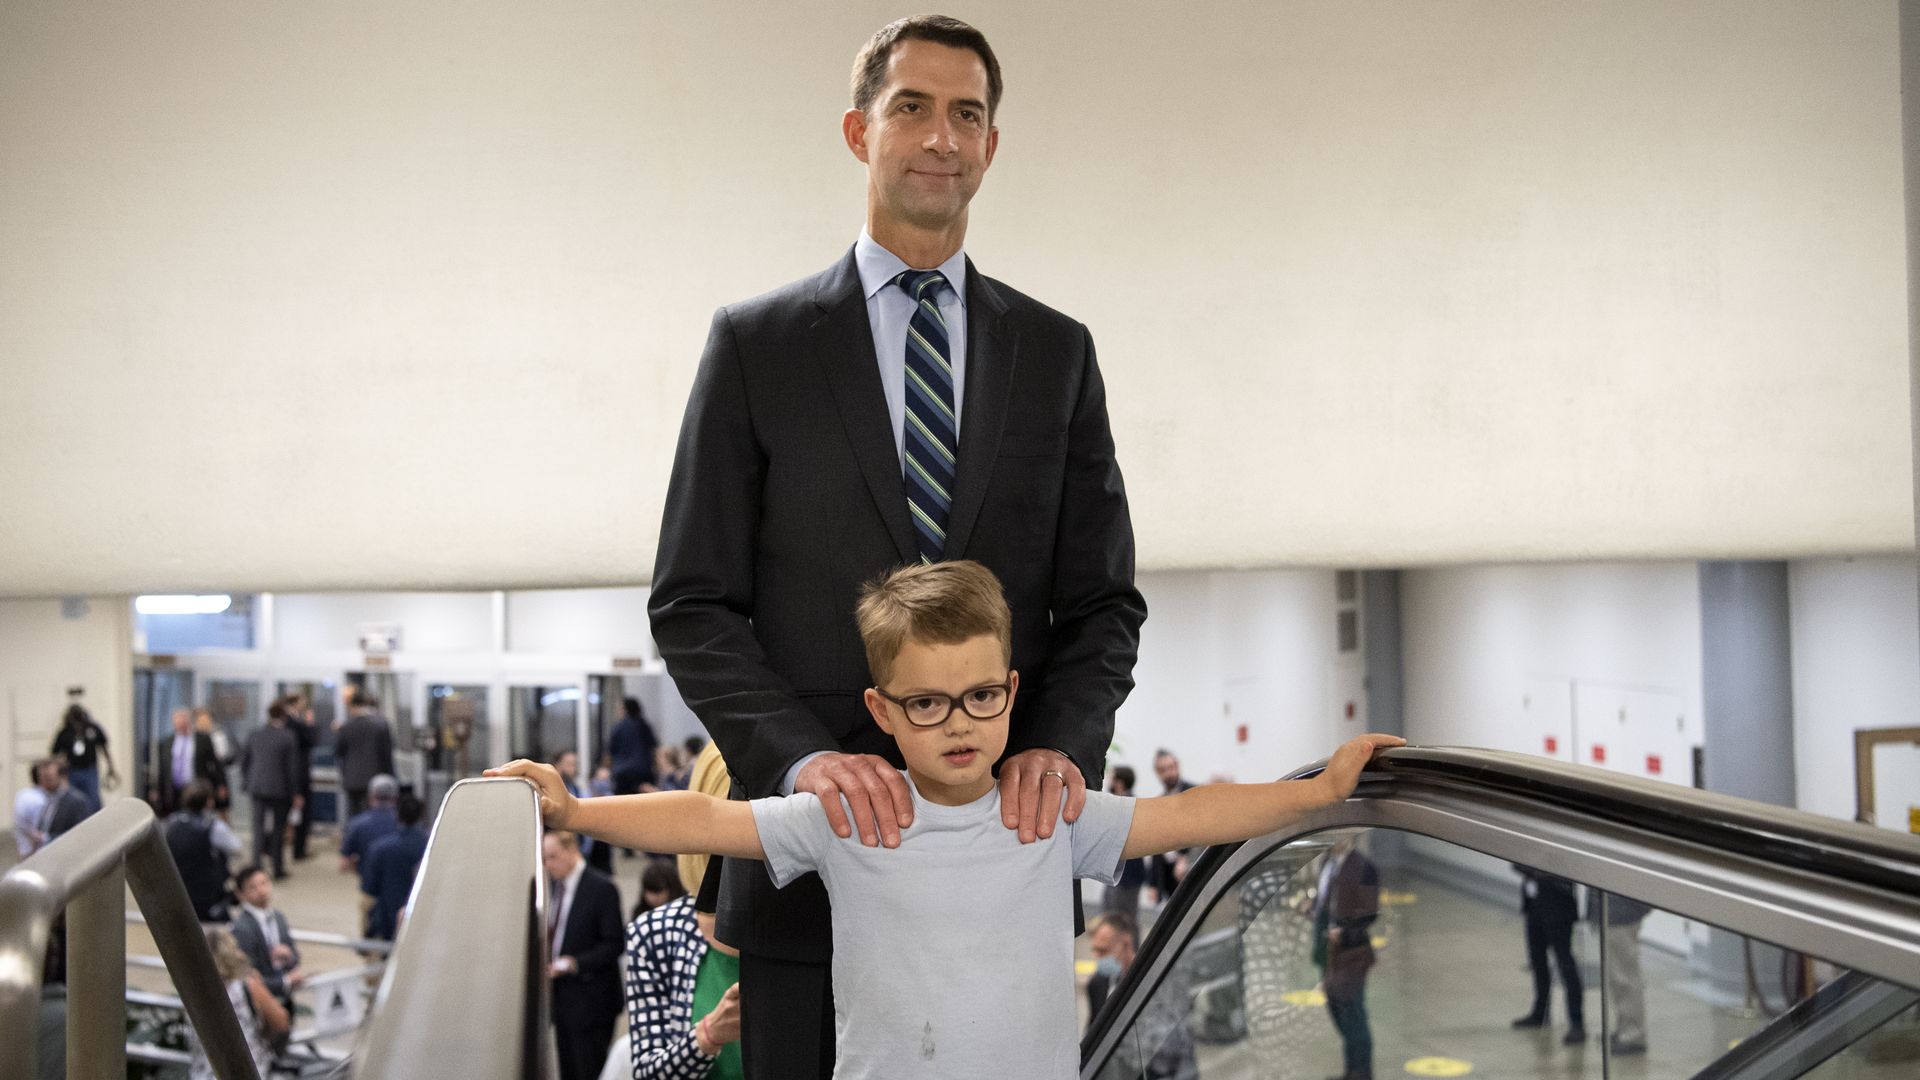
952,953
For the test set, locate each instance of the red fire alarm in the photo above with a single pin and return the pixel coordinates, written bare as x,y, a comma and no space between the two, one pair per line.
1240,735
1599,754
1653,764
1349,710
1553,745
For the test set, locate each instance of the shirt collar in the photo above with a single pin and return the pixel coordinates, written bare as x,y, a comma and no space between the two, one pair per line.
878,267
573,876
261,913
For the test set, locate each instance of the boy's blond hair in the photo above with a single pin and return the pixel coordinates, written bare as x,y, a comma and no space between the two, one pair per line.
709,778
943,603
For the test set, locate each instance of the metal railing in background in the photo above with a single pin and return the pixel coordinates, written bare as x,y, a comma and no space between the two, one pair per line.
465,991
86,873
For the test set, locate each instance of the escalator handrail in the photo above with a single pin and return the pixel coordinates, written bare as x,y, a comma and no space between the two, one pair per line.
1838,851
1824,846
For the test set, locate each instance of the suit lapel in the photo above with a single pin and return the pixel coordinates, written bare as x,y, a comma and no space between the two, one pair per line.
991,346
843,349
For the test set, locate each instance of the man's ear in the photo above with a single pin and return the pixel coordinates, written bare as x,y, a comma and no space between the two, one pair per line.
853,128
993,144
877,706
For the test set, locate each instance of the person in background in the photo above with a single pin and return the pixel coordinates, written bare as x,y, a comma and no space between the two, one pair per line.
660,885
300,722
222,752
391,864
1124,898
683,992
263,1020
364,748
201,844
1345,905
598,855
82,744
1165,871
270,773
1114,938
185,755
1551,907
264,935
602,783
65,807
377,822
583,921
670,768
631,746
29,807
1626,988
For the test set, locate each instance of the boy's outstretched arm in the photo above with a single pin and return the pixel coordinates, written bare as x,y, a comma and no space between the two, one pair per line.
668,821
1223,813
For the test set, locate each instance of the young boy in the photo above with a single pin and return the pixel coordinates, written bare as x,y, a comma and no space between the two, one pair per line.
953,953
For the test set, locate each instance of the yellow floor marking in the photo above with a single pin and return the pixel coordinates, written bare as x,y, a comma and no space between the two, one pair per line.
1083,968
1304,997
1439,1066
1389,897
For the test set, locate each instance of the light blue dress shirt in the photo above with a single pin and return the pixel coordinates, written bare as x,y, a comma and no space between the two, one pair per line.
890,309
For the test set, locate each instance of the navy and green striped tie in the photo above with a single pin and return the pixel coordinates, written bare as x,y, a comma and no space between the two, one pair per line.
932,435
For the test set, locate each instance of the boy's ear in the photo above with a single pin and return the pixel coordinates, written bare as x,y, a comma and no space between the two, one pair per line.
877,706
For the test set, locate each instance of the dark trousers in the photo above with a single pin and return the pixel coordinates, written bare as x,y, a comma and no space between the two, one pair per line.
1349,1010
300,828
269,828
356,802
1555,935
601,857
786,1019
583,1049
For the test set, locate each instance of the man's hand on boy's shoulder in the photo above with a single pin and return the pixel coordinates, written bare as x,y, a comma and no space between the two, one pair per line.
873,788
556,802
1033,786
1342,773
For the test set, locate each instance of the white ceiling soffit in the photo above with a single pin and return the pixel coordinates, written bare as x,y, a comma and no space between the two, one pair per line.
297,298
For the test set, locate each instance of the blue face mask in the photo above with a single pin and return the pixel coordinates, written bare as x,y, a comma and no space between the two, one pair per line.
1108,966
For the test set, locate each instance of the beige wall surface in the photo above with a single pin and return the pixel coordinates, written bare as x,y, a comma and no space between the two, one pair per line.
361,295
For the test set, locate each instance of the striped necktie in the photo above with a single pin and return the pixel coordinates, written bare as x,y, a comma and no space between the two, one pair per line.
932,436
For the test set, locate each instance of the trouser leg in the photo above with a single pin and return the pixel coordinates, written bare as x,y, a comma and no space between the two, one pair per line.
1562,943
1626,987
786,1019
1537,964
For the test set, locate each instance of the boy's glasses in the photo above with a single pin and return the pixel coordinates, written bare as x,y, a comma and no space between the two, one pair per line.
931,710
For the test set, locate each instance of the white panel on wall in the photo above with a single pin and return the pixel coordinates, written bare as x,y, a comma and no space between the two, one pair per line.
1561,281
1856,640
580,620
1547,706
440,622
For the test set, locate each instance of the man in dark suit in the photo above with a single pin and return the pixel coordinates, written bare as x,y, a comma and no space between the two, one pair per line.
263,934
583,923
1551,907
270,775
1344,908
364,748
65,807
185,755
899,406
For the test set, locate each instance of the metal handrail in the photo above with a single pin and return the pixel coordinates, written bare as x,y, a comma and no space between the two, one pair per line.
86,873
466,984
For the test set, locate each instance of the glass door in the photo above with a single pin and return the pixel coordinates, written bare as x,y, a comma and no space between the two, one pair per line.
542,721
463,737
157,691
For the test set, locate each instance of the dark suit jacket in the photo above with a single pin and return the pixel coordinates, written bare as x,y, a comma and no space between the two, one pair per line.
68,808
786,497
365,750
594,936
246,931
206,766
270,764
1343,916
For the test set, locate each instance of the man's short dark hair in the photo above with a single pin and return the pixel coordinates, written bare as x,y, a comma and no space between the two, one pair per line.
1121,922
1123,775
870,67
367,700
245,875
410,809
632,707
196,796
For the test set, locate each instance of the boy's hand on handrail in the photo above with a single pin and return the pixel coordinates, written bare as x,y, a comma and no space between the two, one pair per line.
1342,773
556,802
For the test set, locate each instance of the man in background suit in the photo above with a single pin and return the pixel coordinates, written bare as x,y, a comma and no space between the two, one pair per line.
583,921
65,806
263,934
1344,908
270,775
185,755
897,407
364,748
